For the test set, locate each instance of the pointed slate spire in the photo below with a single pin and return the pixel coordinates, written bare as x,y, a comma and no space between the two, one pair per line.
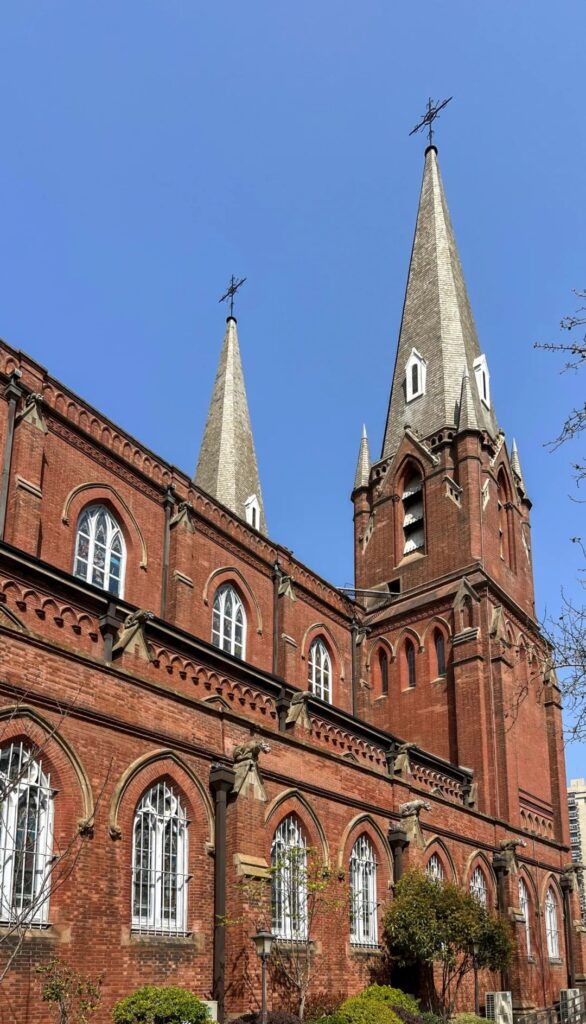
516,466
227,468
467,413
437,326
363,465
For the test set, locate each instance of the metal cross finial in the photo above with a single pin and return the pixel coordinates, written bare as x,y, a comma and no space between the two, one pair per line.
231,290
429,117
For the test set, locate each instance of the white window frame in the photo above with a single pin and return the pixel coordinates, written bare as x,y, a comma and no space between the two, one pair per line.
227,617
415,359
363,900
478,886
552,933
482,380
252,511
289,881
85,568
152,877
434,869
320,670
524,908
26,811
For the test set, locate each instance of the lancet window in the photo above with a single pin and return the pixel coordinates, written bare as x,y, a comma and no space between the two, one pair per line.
289,881
159,863
413,525
229,622
363,903
26,835
551,925
320,670
478,887
100,551
524,908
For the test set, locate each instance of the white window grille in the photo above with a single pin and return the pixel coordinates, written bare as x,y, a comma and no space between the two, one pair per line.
434,869
159,863
413,528
320,670
524,908
415,376
289,882
482,380
478,887
363,902
100,552
229,622
26,836
551,926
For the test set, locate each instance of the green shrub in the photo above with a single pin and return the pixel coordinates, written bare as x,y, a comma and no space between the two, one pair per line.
165,1004
358,1010
393,997
468,1018
429,1017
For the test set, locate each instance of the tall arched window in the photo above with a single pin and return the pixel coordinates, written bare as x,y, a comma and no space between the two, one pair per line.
363,903
503,518
409,655
159,862
26,835
383,668
289,882
320,670
229,622
100,552
413,528
524,908
434,869
478,887
440,652
551,925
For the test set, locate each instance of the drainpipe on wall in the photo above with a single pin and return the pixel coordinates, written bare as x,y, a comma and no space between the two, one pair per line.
277,577
221,784
398,842
566,887
168,502
501,870
12,392
354,628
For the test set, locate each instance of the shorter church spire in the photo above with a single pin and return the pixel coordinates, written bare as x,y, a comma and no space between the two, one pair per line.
363,465
516,466
227,467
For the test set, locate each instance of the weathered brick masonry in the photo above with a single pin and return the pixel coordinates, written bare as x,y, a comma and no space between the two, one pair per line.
116,701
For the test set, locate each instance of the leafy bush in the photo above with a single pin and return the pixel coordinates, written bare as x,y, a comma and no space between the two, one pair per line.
273,1017
407,1017
468,1018
358,1010
165,1004
428,1017
322,1004
394,997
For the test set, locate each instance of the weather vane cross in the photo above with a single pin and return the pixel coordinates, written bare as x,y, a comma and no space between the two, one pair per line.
433,110
231,290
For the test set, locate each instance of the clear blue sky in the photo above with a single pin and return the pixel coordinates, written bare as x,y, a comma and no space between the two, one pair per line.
150,149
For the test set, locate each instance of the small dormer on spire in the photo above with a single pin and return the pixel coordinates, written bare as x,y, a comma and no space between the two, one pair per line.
363,465
227,468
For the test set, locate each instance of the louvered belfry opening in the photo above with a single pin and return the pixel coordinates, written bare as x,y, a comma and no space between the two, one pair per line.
413,525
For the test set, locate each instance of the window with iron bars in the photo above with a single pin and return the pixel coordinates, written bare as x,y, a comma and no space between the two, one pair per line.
26,836
363,902
159,863
289,887
478,887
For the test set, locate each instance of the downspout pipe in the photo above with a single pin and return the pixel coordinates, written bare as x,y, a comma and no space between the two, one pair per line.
354,631
566,887
501,869
168,502
221,784
398,841
277,577
12,393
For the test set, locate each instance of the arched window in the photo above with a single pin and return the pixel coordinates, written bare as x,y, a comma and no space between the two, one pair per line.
229,622
383,667
409,655
26,836
524,908
434,869
159,862
100,552
289,882
440,652
503,518
320,670
551,925
363,903
478,887
413,528
415,374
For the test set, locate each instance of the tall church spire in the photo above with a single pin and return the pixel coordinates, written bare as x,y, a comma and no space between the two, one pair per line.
363,465
227,467
438,345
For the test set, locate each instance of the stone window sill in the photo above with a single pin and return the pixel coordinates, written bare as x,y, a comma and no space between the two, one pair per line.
555,960
154,938
365,951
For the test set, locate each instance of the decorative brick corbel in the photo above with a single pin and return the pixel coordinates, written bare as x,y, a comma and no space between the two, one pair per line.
470,793
402,765
248,780
410,812
298,714
109,626
32,412
184,514
132,633
509,853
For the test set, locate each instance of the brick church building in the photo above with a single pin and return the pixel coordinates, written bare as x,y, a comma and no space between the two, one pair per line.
180,697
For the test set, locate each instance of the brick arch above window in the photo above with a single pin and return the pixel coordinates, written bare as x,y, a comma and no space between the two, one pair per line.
379,641
231,574
93,493
27,724
292,801
435,845
478,859
434,623
147,769
365,824
321,630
